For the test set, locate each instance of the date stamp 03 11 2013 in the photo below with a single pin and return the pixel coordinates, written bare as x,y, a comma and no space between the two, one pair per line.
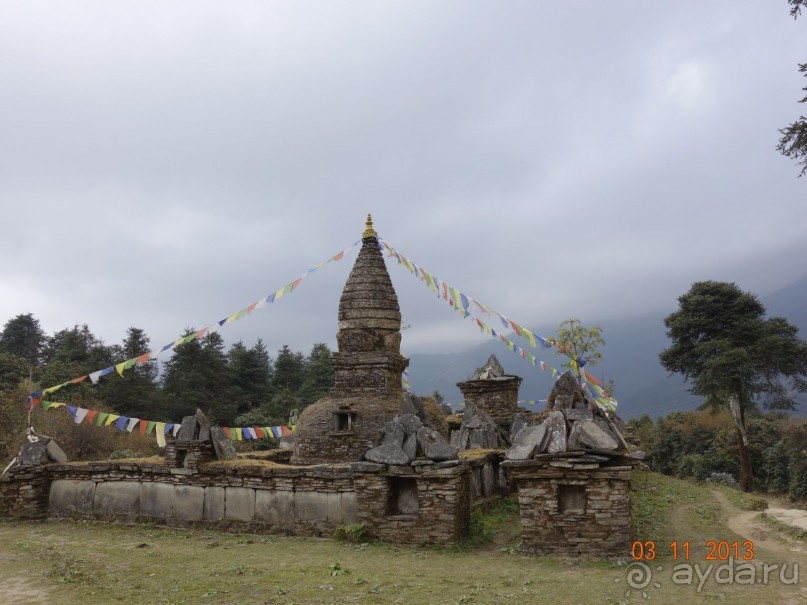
724,562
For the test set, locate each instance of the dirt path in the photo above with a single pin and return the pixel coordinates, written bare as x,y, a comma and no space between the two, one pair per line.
749,525
18,589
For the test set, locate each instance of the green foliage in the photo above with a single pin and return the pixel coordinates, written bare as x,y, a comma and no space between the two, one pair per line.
702,444
288,370
490,517
137,393
23,336
728,351
356,533
723,345
578,343
252,373
318,374
336,569
121,454
198,376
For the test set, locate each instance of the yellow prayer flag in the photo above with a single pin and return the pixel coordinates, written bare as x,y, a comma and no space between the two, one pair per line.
531,336
238,435
120,367
110,419
159,428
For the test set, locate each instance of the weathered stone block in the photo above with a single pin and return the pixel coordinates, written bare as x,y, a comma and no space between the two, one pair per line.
214,504
334,507
310,506
350,507
274,506
387,454
117,498
239,504
69,496
529,440
189,503
156,499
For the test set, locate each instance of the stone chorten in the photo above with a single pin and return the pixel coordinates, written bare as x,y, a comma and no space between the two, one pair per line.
493,391
366,395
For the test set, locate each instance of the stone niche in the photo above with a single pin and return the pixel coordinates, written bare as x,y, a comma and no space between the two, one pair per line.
574,512
426,503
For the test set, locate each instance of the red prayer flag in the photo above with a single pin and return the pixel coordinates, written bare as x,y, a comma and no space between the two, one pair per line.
227,432
143,425
284,430
90,417
259,432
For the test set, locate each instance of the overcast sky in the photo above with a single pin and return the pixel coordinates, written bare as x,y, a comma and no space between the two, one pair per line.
164,164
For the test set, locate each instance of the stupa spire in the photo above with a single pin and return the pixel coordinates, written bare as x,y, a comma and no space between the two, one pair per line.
368,228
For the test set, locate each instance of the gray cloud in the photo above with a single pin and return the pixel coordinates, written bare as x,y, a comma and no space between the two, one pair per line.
165,165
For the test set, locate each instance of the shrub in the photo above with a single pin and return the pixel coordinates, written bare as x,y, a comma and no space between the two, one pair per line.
356,533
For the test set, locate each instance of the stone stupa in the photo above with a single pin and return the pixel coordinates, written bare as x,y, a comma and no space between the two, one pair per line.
368,366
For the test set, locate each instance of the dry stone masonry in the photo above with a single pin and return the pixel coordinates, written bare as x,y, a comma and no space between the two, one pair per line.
366,453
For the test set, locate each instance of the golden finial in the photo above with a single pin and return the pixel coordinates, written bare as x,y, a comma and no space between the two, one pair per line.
369,231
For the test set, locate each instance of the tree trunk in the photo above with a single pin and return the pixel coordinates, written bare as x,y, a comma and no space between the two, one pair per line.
746,472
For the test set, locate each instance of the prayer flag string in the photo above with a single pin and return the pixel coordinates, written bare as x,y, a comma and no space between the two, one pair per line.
463,304
37,396
160,429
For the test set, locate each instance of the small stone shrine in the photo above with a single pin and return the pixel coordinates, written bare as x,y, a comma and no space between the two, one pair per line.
493,392
572,473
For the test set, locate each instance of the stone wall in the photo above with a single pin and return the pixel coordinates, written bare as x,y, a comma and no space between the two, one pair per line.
418,504
263,499
573,512
24,492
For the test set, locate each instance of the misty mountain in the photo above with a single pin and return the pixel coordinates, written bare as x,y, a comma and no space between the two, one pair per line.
630,359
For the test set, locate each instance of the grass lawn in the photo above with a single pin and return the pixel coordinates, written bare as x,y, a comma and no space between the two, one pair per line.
89,563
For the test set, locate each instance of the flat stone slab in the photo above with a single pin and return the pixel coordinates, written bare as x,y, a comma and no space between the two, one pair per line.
222,445
189,503
393,433
68,496
440,451
387,454
33,453
366,467
311,506
239,504
591,436
530,440
56,453
157,499
214,504
350,507
274,506
410,423
556,428
117,498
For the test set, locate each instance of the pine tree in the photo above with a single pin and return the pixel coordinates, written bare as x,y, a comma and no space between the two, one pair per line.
137,392
289,370
252,375
23,336
198,376
319,374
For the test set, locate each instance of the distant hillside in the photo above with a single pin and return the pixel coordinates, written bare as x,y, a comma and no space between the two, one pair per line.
630,360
